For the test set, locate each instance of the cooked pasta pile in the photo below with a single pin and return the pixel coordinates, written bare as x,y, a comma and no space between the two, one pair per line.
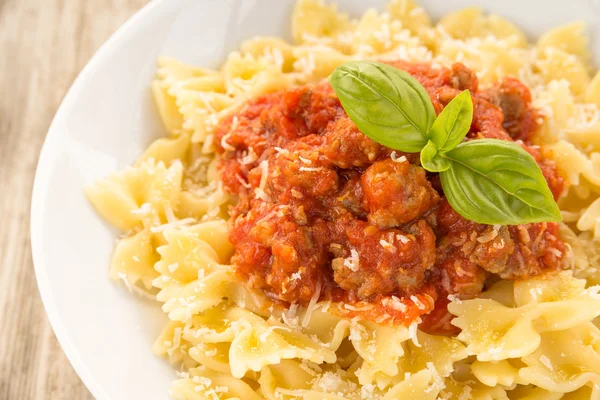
530,339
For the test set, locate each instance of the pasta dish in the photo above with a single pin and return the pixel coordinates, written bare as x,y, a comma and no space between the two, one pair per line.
389,208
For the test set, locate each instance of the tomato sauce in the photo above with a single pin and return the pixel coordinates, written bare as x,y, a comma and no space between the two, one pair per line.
325,213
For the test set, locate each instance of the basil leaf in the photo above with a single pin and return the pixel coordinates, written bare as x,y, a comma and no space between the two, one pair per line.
453,123
431,160
386,104
493,181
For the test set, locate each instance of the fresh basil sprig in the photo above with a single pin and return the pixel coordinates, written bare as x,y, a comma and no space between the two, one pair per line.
488,181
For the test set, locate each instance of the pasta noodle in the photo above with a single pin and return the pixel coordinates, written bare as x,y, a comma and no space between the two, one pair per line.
531,339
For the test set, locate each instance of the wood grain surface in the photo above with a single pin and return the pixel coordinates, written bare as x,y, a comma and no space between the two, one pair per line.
43,46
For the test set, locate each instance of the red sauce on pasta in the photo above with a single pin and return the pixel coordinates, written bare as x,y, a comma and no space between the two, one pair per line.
324,212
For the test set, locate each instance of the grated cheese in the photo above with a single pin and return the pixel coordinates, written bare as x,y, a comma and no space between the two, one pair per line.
305,160
249,157
173,267
211,353
466,393
395,303
306,64
311,169
498,245
329,381
418,302
264,166
144,209
208,145
169,214
260,194
384,317
280,151
555,251
488,237
221,389
397,159
454,299
289,317
366,307
547,363
438,381
367,391
182,374
175,224
387,245
403,239
224,144
352,262
412,332
242,181
312,305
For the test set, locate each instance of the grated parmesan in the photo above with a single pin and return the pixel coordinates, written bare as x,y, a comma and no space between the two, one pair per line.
397,159
175,224
296,276
387,245
352,262
311,169
312,305
555,251
249,157
211,353
412,331
173,267
438,381
547,363
417,302
280,151
403,239
454,299
305,160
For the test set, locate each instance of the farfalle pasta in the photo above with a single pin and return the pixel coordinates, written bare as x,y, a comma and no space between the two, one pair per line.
534,337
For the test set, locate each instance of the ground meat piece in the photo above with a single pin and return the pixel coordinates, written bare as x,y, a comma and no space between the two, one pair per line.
301,169
512,252
351,196
486,121
311,108
459,276
491,249
397,193
347,147
384,261
514,98
291,255
550,170
463,78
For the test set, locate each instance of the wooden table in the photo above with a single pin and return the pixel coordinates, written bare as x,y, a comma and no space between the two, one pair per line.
43,46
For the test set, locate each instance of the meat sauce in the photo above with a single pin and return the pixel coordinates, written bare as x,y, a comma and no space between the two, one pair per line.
325,213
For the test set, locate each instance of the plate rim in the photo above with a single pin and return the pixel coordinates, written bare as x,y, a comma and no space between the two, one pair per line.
37,207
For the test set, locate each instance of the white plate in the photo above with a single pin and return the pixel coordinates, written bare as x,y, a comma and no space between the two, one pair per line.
106,120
